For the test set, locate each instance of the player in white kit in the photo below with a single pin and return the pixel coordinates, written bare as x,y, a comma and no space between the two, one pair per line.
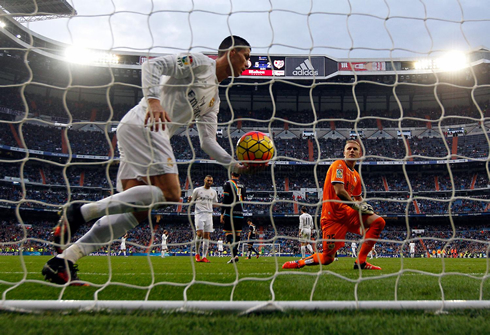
177,90
373,252
305,228
353,247
123,245
205,198
411,246
220,247
164,243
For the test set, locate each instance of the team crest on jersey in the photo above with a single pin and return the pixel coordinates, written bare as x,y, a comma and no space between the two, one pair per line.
187,60
184,61
339,174
169,162
211,103
355,179
331,246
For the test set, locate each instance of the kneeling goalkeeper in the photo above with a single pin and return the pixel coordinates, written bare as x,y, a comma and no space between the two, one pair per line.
343,211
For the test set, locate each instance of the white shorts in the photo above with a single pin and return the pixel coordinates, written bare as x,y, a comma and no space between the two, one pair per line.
143,153
305,235
123,246
204,222
164,247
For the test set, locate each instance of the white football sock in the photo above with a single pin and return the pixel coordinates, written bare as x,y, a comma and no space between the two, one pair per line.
205,248
303,251
310,248
124,202
198,244
102,232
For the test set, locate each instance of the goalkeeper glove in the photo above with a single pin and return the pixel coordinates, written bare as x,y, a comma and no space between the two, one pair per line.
364,208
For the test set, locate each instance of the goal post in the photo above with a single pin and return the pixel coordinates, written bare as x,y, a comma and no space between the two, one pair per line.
319,74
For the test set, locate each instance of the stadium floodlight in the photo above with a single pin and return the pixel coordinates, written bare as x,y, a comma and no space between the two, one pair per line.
2,24
85,56
451,61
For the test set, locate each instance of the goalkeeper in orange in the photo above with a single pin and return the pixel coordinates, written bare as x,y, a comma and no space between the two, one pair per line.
344,211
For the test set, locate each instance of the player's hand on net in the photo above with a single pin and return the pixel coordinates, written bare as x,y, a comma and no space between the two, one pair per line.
156,116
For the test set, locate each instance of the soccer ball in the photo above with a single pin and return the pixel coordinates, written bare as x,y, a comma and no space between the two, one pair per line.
255,146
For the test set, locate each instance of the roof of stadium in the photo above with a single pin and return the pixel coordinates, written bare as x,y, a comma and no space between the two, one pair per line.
29,10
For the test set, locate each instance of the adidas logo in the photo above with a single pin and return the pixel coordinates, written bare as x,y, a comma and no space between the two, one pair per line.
305,69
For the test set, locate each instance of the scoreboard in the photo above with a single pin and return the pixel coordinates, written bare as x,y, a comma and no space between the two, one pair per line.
265,66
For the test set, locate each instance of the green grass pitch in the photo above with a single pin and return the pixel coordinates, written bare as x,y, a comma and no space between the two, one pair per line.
135,278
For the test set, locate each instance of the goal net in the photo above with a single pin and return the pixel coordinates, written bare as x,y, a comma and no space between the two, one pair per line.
410,80
263,249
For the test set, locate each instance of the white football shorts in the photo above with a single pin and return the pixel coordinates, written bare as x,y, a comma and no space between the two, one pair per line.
204,222
143,153
305,235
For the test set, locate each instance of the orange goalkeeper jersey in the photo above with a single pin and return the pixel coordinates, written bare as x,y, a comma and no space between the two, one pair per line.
339,172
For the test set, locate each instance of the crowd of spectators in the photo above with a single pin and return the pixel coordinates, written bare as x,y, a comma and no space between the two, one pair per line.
469,241
95,142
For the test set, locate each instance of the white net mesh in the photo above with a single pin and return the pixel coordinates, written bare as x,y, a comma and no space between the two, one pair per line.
320,73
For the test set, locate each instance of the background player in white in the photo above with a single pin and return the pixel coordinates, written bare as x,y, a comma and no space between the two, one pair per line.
123,245
220,247
177,89
164,243
353,247
412,249
305,228
373,252
205,198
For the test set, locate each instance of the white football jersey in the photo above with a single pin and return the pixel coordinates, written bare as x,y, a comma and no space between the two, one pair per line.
185,84
412,246
123,242
204,199
305,221
220,245
164,239
353,245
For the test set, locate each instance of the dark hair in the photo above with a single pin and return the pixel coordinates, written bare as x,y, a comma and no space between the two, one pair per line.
234,174
232,42
303,209
249,220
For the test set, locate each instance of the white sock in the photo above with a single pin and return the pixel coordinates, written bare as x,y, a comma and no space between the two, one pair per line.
310,248
102,232
303,251
205,248
124,202
198,244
